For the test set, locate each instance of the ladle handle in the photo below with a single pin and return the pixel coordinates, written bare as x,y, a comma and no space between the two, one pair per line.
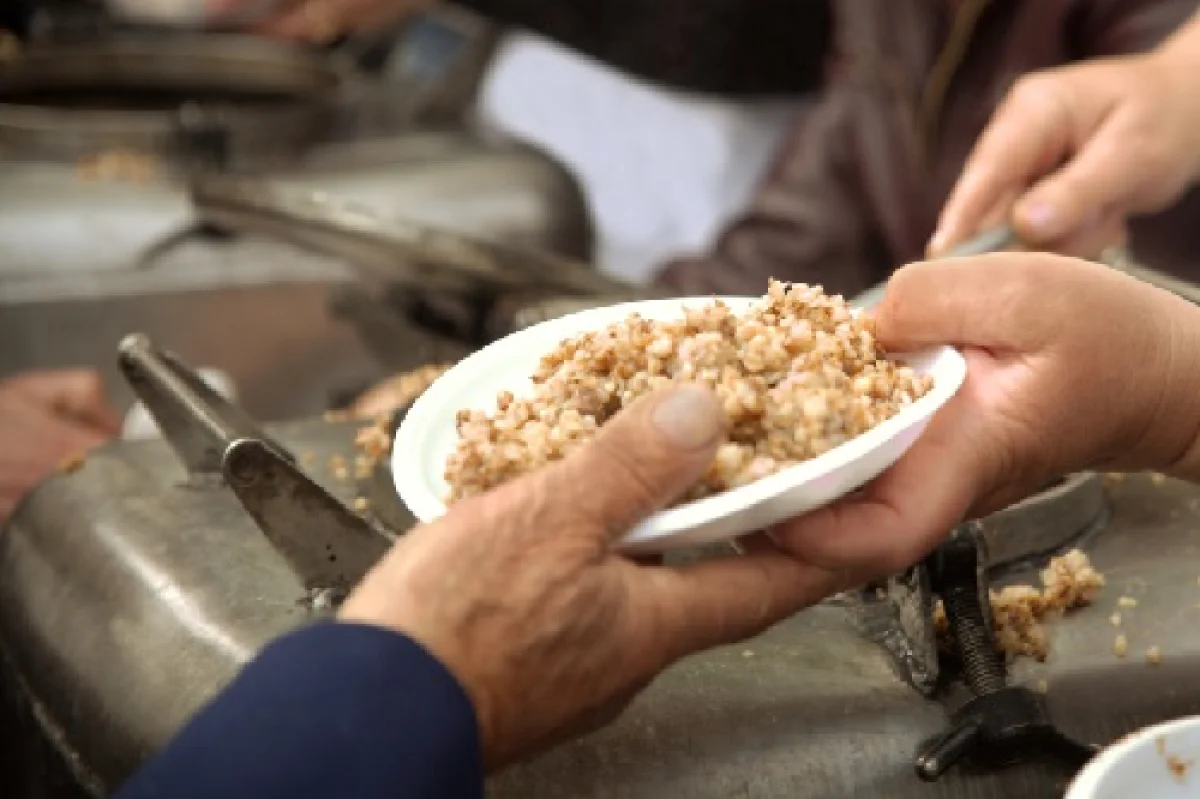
397,250
996,239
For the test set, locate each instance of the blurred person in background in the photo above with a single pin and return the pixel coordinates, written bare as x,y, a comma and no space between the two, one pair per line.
858,186
1090,146
48,419
860,180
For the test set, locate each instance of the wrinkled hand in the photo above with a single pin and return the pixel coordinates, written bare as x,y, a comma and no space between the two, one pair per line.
519,593
1070,366
321,21
1073,152
46,417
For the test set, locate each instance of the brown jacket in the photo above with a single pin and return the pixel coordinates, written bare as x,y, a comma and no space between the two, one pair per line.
860,180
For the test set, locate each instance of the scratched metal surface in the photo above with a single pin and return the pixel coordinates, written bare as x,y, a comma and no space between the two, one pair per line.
127,600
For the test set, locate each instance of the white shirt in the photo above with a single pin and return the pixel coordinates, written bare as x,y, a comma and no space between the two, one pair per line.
662,171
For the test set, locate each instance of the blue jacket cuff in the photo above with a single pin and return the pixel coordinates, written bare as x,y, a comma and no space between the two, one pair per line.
332,710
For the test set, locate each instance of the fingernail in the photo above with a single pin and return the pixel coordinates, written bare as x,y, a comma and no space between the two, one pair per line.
1040,216
689,417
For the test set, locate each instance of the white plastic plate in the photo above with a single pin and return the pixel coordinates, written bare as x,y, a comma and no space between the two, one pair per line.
1159,762
428,434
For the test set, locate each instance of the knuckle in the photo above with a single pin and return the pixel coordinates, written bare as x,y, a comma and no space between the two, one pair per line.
1032,91
903,292
632,467
516,509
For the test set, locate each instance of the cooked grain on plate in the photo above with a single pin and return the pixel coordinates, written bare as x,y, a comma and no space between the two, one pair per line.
798,374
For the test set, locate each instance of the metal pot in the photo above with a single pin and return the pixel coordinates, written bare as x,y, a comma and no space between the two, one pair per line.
155,95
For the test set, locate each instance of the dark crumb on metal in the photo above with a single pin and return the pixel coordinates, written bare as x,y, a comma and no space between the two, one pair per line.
374,441
1178,767
322,599
337,467
72,463
363,467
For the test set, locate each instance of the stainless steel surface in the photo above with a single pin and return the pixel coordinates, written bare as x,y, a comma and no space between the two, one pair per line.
126,599
285,352
272,98
84,263
456,180
52,221
400,251
1048,521
163,591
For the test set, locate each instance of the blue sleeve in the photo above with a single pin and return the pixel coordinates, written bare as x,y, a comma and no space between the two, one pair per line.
330,711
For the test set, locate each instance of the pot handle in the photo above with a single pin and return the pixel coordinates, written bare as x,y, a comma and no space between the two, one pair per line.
397,250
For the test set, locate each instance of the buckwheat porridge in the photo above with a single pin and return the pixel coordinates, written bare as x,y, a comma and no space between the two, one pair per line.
798,374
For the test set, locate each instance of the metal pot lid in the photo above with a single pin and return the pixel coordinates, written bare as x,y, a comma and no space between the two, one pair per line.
399,251
77,97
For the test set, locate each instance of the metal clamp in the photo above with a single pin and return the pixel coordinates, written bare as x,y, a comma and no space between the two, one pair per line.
897,614
1002,724
328,546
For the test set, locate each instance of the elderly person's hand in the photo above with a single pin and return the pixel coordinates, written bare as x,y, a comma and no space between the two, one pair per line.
520,594
1070,366
46,417
1073,152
